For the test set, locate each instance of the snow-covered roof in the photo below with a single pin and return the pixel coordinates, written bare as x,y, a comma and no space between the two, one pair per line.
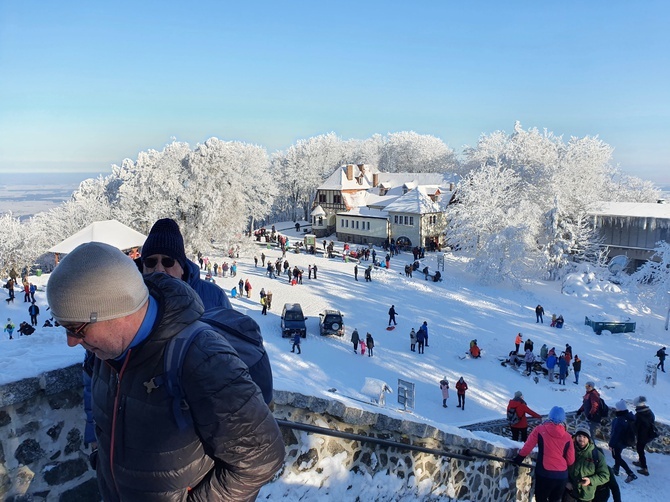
109,232
414,202
632,209
339,181
318,211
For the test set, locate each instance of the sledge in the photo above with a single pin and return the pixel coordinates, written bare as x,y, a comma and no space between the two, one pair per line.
390,328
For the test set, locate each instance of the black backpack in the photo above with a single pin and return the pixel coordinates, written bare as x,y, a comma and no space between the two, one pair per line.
241,331
512,416
628,436
603,410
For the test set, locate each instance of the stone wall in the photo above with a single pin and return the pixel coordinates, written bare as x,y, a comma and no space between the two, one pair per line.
480,479
42,456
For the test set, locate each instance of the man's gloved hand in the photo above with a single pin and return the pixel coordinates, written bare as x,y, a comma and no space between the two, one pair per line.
518,460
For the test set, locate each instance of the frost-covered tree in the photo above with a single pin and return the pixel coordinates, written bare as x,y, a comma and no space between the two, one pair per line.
495,224
151,187
228,186
410,152
626,188
561,180
654,276
13,245
301,169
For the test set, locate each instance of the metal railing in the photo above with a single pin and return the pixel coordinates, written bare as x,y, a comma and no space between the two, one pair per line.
467,455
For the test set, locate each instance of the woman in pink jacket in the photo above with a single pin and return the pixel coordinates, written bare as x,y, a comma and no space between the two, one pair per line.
556,452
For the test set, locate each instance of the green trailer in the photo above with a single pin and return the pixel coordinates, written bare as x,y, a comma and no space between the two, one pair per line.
611,324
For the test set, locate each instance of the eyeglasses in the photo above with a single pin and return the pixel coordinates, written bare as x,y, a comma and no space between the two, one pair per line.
76,332
166,261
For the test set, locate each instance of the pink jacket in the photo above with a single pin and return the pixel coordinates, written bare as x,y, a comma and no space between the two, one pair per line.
556,451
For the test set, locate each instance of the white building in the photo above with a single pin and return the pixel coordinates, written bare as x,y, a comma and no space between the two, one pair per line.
362,205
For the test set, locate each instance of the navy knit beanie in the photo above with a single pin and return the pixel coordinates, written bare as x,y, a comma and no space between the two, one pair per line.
165,238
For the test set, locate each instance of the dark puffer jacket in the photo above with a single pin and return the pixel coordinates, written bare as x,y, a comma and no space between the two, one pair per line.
644,424
234,446
212,296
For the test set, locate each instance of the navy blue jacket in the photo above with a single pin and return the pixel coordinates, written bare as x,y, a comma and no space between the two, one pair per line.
210,294
618,428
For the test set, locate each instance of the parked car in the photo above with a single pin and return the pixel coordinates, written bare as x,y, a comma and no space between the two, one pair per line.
331,323
293,320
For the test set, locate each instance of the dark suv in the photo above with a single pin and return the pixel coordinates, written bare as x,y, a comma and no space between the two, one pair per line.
293,320
331,323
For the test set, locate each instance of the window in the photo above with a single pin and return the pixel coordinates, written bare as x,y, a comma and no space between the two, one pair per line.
411,220
320,221
368,225
406,220
395,219
337,199
356,224
342,223
322,197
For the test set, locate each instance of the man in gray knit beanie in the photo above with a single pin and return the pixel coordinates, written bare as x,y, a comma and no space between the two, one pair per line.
99,296
94,291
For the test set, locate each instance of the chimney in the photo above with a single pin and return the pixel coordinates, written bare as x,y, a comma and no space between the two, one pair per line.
375,179
361,168
350,172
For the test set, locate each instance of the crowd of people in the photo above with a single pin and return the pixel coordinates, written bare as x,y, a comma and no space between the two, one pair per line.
568,464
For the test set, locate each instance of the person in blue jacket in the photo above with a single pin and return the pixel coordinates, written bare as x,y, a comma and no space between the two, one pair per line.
163,251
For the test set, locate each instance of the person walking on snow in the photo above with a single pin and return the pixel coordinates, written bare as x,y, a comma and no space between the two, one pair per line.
33,312
661,358
296,342
520,408
539,312
355,339
562,369
369,341
461,387
591,407
392,314
421,339
529,359
517,342
617,442
577,367
644,432
444,387
412,340
551,364
9,328
424,328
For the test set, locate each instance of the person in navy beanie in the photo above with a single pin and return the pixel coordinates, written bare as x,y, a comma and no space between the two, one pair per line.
555,454
163,251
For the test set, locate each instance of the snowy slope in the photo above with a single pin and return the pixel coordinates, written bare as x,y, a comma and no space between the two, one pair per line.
457,310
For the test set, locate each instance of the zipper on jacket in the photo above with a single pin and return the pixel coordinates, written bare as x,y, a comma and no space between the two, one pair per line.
117,399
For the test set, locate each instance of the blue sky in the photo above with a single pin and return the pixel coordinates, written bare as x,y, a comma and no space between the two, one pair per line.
87,84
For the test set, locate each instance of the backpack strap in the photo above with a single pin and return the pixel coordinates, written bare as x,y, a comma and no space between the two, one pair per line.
173,365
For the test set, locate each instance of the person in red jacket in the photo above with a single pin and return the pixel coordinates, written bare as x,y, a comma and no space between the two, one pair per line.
461,387
556,452
520,407
591,407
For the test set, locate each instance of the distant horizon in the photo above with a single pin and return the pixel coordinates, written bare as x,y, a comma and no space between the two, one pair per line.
88,85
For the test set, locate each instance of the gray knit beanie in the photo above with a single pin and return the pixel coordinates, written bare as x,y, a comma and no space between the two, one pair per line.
95,282
165,238
518,394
